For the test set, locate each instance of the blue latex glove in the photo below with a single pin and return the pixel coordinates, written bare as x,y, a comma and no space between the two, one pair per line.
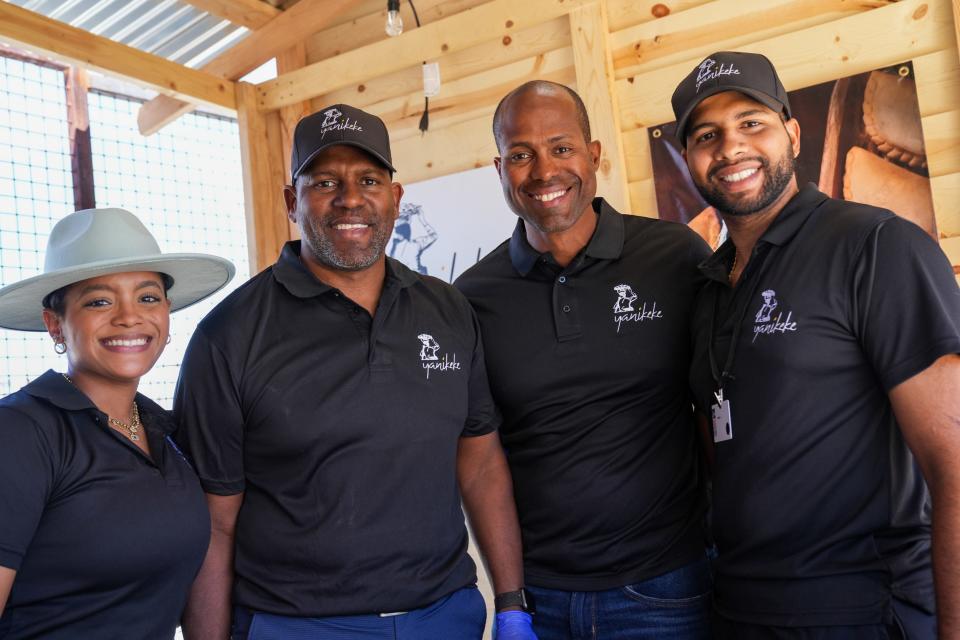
514,625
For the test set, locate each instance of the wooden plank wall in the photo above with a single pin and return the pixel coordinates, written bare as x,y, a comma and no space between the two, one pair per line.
649,46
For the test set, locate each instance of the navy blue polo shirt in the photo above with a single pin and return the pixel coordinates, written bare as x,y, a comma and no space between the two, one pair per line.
105,539
820,513
588,364
342,431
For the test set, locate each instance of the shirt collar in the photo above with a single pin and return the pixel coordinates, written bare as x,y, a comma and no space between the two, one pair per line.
296,278
55,389
793,215
783,228
606,243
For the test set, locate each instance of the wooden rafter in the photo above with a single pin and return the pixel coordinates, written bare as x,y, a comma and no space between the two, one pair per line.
76,46
251,14
276,36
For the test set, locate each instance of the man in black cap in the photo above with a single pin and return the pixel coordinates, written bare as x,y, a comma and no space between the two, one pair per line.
826,344
333,449
585,319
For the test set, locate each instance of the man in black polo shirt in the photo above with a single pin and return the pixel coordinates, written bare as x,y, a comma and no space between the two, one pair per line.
585,320
334,448
826,356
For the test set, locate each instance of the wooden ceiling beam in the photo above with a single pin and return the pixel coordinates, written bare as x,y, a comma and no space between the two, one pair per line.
76,46
275,37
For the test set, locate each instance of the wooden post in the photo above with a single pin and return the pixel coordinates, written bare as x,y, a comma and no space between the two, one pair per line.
595,84
81,152
261,151
956,20
289,60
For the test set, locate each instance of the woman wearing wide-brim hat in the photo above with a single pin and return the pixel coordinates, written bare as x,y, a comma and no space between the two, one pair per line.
103,524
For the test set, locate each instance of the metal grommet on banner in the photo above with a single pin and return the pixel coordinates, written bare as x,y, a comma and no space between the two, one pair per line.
656,133
903,71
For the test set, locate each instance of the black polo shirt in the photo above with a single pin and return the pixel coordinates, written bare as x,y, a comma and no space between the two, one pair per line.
819,511
105,540
342,430
588,364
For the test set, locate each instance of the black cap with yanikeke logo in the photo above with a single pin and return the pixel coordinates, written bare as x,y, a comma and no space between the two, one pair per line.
749,73
339,124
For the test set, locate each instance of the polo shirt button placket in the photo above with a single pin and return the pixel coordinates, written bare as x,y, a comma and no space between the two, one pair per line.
566,308
562,279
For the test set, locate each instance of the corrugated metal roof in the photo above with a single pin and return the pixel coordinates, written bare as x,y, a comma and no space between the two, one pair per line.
170,29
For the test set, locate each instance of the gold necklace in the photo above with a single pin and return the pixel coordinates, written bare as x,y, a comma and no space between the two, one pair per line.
132,429
736,254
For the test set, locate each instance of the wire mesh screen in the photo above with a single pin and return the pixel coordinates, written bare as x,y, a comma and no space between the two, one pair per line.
36,190
185,184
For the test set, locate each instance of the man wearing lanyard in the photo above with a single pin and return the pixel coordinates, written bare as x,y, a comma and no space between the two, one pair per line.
826,344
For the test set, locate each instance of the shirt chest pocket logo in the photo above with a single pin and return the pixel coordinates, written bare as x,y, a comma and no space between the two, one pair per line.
626,308
770,318
430,360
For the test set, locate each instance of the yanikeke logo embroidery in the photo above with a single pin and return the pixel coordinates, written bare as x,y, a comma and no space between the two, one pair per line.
624,310
330,117
332,122
765,322
429,359
707,71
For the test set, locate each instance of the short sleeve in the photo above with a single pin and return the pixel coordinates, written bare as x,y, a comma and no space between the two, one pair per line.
906,301
209,417
482,414
27,479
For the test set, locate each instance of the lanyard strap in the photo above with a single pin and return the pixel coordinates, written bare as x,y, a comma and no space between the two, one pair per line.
721,376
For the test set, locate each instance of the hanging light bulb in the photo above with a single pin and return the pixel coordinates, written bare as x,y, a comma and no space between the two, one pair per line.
394,25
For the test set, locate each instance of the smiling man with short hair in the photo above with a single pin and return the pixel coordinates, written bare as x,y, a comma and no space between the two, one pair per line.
585,320
826,345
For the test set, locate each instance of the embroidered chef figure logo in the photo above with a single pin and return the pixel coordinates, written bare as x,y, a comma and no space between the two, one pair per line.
625,311
708,72
770,321
429,347
330,117
625,298
429,359
769,304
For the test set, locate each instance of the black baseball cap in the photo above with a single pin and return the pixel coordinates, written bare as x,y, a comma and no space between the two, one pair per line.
749,73
339,124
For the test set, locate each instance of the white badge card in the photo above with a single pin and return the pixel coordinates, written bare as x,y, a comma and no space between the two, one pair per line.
722,422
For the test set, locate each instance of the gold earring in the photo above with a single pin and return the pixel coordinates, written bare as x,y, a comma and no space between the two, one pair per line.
59,345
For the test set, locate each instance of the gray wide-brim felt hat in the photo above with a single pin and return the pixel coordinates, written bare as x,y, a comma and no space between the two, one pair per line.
97,242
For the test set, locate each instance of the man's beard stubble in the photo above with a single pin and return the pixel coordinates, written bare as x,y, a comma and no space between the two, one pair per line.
355,259
774,183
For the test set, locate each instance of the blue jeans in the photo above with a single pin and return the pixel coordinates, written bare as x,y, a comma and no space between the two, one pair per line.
460,615
675,605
